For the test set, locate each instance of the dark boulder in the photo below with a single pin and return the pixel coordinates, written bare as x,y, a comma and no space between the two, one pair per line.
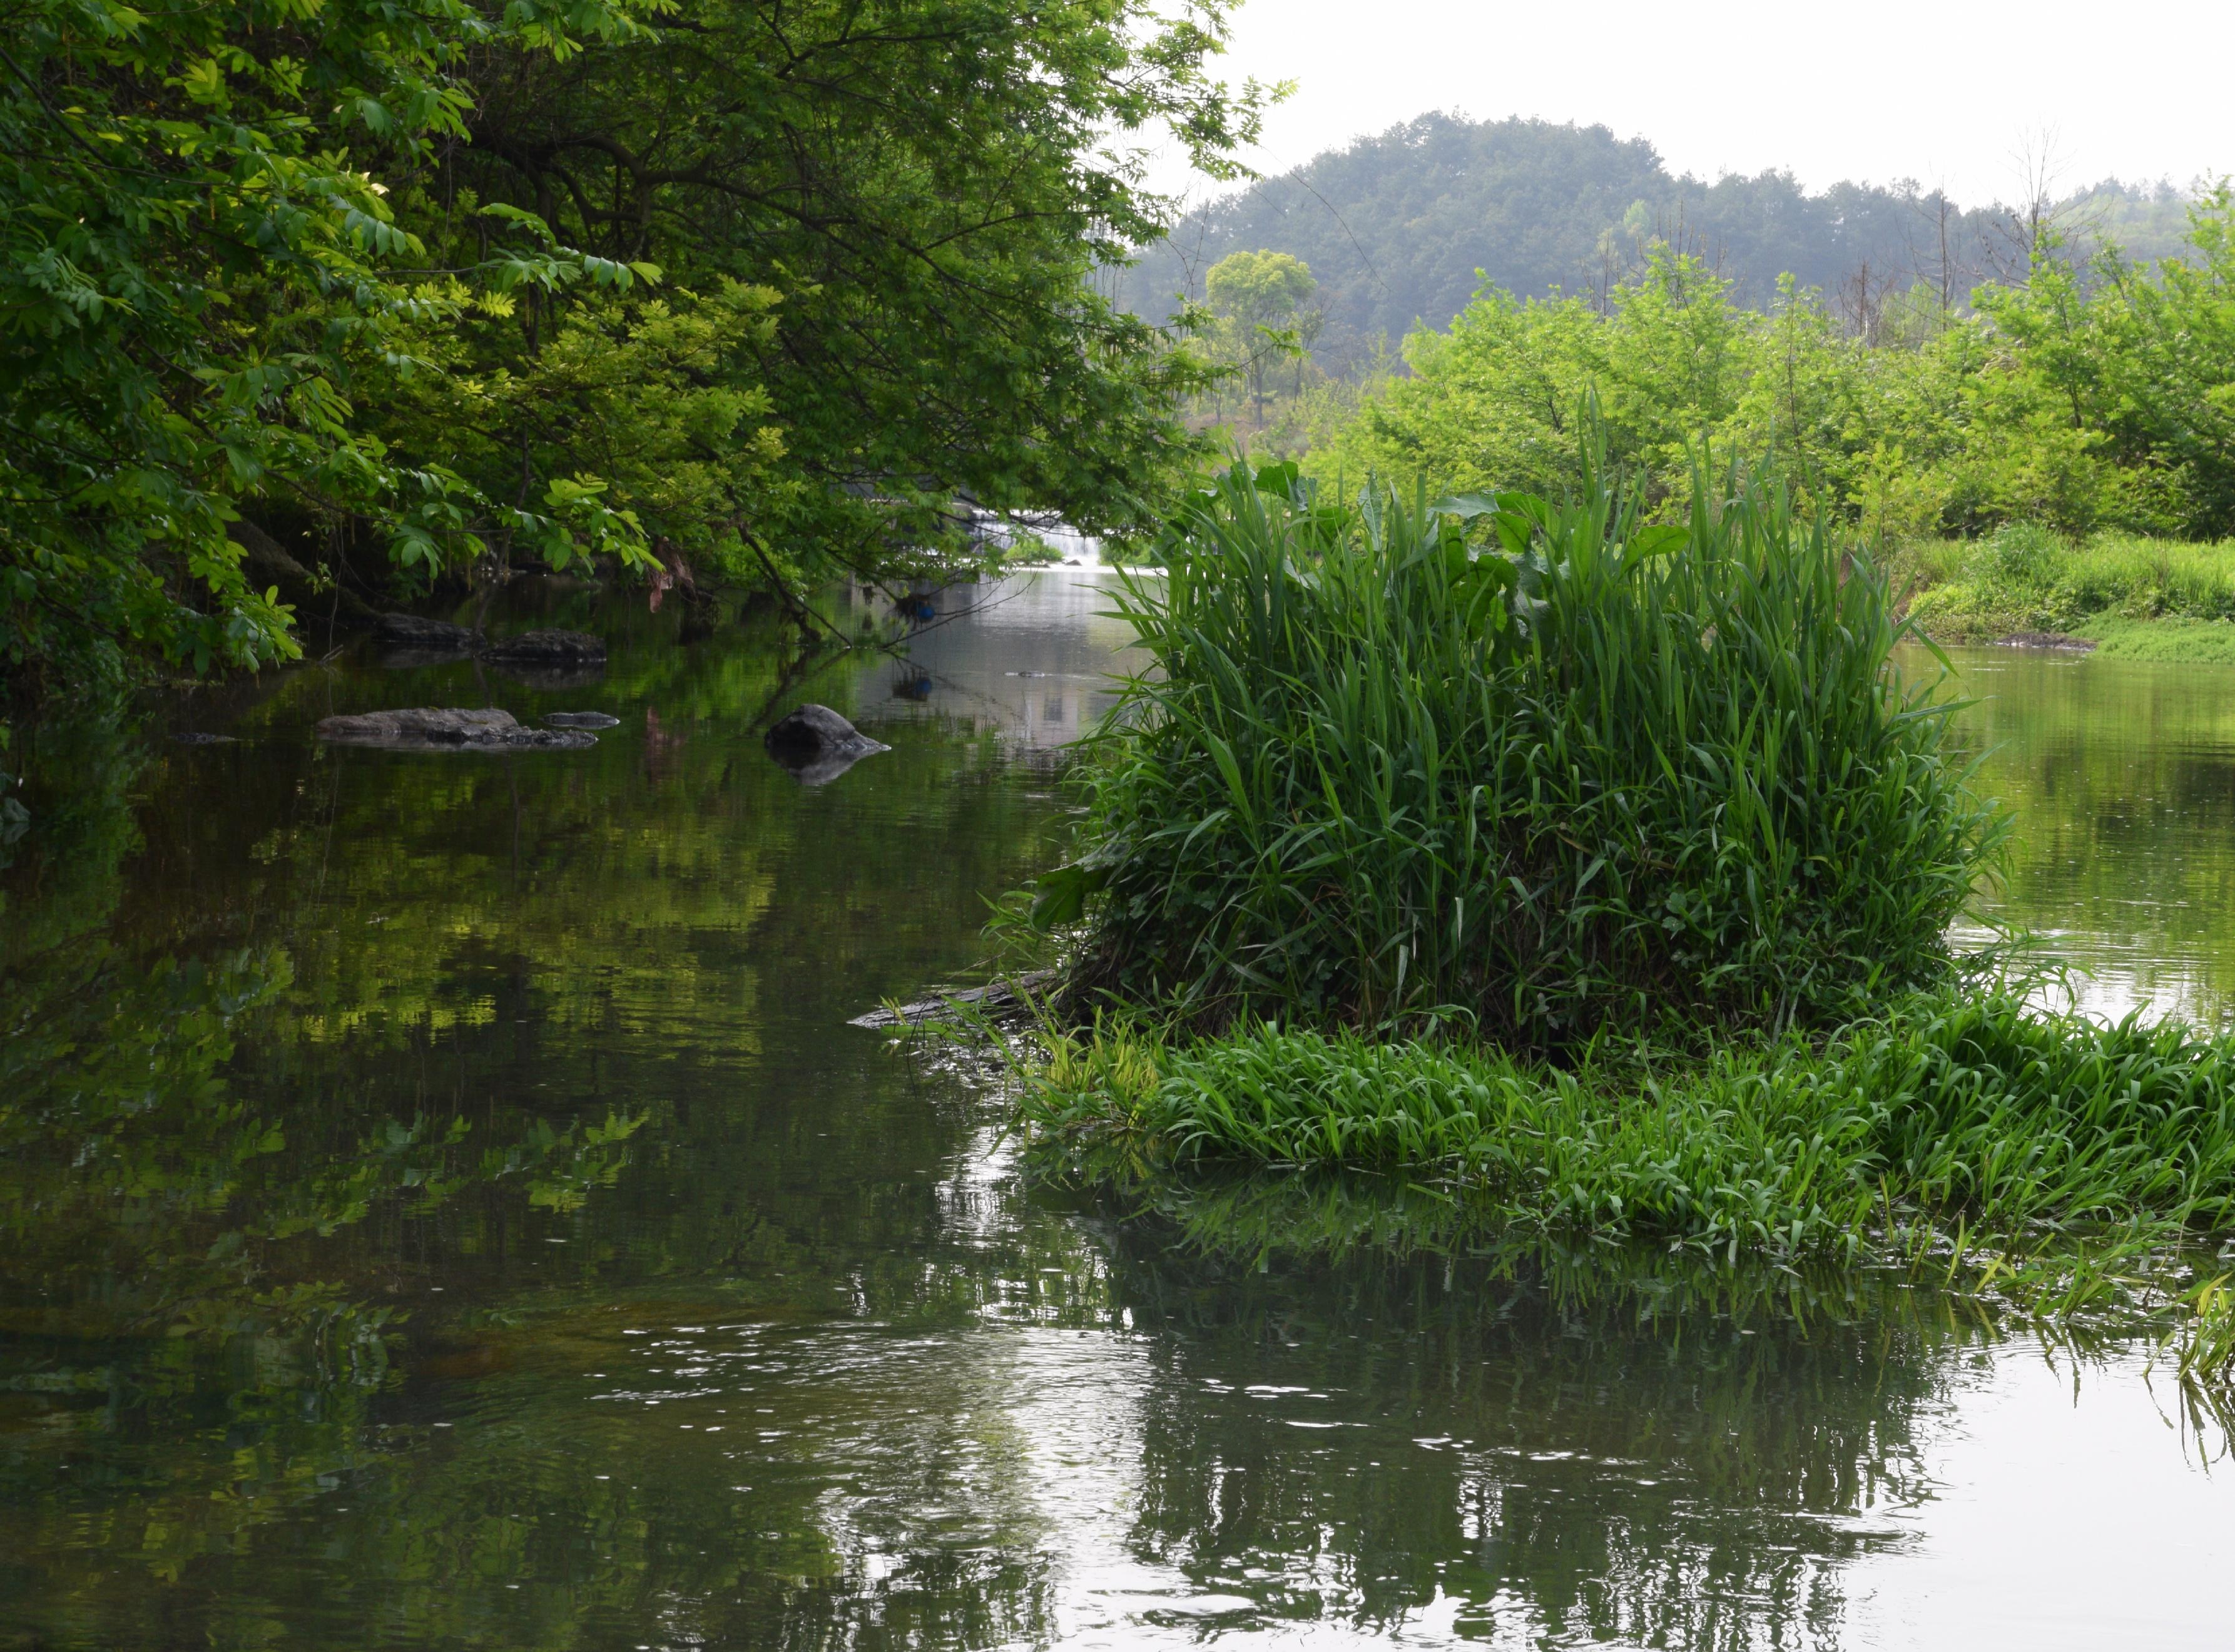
553,661
431,729
817,745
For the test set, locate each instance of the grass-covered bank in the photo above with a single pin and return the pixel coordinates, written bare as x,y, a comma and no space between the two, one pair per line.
2135,598
1976,1142
1947,1109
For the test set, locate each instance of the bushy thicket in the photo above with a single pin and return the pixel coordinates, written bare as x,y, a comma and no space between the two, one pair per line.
1541,768
308,304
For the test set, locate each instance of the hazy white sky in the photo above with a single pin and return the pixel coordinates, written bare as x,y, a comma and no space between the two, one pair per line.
1945,93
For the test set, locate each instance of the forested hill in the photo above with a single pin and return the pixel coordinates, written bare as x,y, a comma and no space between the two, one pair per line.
1396,225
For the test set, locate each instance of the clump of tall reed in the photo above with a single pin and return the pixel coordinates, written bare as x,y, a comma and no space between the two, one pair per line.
1981,1113
1532,768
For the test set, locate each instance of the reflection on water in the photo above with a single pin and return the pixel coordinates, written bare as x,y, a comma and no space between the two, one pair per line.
442,1205
2122,774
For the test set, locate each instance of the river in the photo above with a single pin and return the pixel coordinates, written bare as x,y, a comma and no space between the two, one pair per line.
444,1205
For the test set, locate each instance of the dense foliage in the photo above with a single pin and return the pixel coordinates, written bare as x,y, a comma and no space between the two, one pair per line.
2078,399
196,260
1593,772
387,290
2123,589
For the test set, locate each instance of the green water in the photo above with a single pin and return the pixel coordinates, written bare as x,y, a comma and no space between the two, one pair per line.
2122,776
445,1206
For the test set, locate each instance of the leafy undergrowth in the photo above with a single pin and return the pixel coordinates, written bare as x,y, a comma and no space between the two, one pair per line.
2048,1162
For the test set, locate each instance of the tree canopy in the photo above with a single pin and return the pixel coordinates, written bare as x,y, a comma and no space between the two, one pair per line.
401,287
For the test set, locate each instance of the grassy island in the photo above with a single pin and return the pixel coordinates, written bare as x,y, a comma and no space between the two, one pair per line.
1599,872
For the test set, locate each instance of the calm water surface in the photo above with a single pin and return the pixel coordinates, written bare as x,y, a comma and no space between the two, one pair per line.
445,1206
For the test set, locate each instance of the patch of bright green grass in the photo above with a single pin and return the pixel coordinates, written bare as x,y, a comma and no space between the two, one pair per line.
2053,1163
1986,1113
2184,642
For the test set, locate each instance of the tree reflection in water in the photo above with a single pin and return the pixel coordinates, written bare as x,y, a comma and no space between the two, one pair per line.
441,1204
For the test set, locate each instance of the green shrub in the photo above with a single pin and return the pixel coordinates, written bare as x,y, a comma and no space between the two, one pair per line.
1594,771
2024,555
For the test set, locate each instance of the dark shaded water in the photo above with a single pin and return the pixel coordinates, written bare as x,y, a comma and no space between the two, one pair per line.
444,1206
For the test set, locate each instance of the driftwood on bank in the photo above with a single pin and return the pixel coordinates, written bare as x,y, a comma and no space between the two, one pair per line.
1012,992
429,728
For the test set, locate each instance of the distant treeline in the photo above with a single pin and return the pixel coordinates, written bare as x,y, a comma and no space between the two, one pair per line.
2079,396
1396,226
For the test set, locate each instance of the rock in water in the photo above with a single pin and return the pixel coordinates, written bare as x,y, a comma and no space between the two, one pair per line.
547,648
581,720
818,745
433,636
428,728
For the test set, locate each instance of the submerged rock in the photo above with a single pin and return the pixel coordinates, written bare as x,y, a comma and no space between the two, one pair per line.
437,637
429,728
817,745
547,648
546,658
552,680
551,660
581,720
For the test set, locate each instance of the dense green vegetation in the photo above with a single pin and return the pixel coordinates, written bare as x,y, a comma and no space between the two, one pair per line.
2051,1163
1601,875
1400,228
2078,399
303,302
1536,767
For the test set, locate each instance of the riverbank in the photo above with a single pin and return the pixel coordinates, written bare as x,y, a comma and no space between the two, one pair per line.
2133,598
